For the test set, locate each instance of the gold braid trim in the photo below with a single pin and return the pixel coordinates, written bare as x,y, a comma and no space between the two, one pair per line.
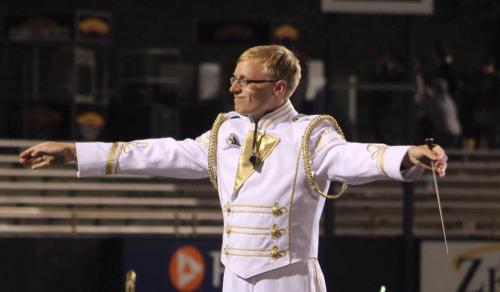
111,158
307,155
212,148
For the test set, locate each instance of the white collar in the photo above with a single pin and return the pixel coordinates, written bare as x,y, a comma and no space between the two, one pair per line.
279,115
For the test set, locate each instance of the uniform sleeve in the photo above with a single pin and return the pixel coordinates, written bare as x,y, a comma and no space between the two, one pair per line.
165,157
335,159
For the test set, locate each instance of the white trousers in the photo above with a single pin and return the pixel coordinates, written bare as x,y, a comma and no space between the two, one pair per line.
304,276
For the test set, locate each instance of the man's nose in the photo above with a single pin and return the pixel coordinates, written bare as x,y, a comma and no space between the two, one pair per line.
234,87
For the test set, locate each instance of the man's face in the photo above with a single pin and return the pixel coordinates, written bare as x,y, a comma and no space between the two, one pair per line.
254,99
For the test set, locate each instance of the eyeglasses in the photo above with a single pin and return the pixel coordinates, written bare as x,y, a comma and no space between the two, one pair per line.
245,82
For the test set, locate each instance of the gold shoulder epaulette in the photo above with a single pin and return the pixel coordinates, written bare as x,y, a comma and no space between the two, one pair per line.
212,148
307,155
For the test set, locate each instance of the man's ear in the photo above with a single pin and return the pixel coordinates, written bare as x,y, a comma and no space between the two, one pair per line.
280,87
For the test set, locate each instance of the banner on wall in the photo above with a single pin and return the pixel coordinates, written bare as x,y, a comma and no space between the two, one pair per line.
174,265
470,266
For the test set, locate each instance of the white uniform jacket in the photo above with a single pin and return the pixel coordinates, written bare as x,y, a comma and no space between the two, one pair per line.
271,213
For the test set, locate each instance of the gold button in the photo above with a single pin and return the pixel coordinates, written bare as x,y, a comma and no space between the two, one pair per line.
276,253
277,210
227,208
275,231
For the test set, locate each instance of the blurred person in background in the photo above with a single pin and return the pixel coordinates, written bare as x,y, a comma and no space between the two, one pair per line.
437,112
385,105
444,63
480,107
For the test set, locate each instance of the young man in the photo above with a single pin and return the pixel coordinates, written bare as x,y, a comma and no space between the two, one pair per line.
271,167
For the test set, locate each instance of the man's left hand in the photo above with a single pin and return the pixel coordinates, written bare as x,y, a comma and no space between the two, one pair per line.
422,156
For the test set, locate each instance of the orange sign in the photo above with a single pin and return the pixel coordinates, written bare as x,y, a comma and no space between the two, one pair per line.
187,269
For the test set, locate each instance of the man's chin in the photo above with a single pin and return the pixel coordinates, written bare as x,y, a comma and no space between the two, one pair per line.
240,110
243,112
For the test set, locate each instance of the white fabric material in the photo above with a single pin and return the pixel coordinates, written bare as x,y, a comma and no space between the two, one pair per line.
250,248
304,276
164,157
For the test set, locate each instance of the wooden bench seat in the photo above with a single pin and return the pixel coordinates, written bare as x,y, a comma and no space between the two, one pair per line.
106,201
109,213
108,230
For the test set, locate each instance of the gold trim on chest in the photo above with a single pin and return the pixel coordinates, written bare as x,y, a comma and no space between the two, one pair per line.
265,144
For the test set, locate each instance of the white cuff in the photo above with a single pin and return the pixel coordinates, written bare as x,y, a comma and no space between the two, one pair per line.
393,157
92,158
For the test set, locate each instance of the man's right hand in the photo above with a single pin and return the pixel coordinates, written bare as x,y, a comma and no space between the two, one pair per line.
48,154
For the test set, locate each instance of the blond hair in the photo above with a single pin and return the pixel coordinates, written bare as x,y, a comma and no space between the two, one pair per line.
279,62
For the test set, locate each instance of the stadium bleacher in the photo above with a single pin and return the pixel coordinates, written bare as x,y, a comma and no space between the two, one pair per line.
55,201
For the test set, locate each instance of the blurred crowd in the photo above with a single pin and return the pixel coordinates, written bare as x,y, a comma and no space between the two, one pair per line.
458,110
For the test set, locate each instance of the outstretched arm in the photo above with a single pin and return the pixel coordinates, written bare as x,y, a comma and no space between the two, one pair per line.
358,163
157,157
48,154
